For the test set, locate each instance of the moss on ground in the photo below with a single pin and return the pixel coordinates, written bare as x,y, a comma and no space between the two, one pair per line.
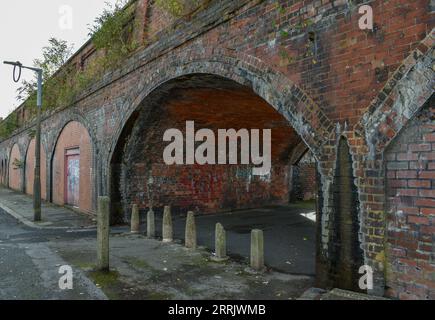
104,278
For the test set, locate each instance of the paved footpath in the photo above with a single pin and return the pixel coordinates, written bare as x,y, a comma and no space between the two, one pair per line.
53,217
29,268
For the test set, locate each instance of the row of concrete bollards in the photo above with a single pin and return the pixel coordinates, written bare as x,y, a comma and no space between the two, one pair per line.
257,240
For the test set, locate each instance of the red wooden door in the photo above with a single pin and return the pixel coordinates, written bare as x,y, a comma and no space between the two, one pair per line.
72,162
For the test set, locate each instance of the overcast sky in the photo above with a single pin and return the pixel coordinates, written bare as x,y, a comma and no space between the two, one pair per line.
26,26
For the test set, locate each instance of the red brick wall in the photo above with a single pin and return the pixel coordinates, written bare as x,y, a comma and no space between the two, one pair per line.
303,180
73,135
157,20
207,188
347,67
14,171
411,210
30,170
307,172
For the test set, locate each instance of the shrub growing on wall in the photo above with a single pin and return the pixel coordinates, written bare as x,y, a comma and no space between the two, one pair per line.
180,8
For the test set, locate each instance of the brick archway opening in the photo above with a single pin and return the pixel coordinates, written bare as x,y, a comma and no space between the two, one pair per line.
140,176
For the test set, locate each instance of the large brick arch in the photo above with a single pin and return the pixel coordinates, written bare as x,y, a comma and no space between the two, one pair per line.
302,113
55,132
14,170
311,124
73,134
50,141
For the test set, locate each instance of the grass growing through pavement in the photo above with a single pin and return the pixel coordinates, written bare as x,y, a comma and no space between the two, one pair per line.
104,279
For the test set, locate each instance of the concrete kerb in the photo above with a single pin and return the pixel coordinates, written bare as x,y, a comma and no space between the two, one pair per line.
29,223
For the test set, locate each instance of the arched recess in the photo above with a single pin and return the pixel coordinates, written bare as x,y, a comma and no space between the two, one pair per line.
72,168
15,168
29,172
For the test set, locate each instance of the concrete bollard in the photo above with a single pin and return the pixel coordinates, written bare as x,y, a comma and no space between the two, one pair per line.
103,233
167,225
190,233
151,224
257,250
220,244
135,219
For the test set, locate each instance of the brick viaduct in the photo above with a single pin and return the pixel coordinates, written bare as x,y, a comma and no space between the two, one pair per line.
360,101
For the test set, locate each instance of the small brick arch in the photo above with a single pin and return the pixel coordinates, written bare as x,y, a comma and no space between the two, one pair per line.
66,119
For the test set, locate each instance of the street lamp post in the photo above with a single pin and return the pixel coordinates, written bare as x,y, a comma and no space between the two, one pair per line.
37,175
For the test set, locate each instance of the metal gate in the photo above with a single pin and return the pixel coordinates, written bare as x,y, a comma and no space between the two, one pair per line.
72,177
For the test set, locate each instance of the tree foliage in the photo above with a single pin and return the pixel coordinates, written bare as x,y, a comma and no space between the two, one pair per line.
54,56
112,31
112,37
